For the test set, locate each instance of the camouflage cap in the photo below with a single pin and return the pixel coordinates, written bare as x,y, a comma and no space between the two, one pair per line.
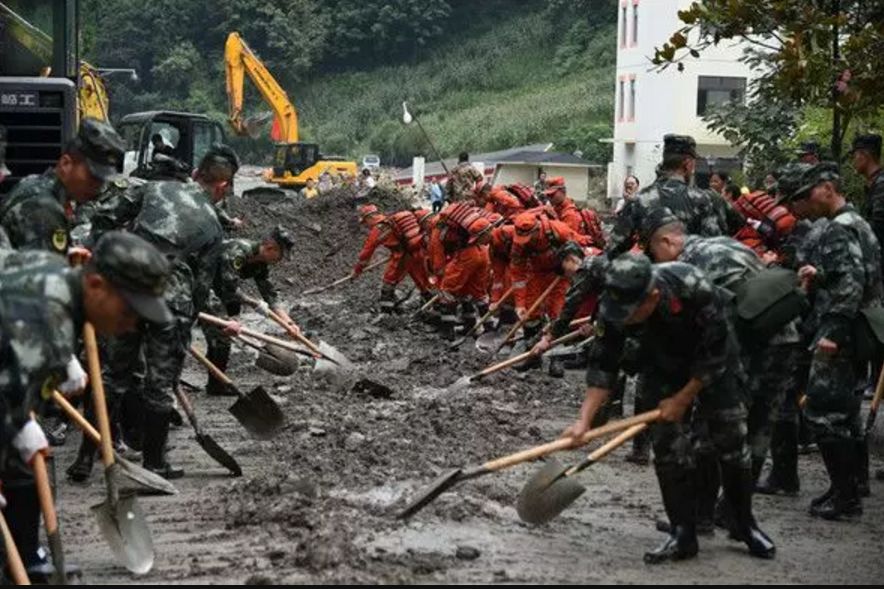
870,142
807,176
808,148
4,171
789,179
284,238
101,146
137,270
679,144
655,219
222,153
628,281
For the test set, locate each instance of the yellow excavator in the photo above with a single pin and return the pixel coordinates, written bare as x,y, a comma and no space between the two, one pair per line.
295,162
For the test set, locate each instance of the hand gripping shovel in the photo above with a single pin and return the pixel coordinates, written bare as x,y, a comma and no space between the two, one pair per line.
530,312
206,441
346,278
13,558
144,480
458,475
257,411
50,519
466,381
552,489
491,311
120,517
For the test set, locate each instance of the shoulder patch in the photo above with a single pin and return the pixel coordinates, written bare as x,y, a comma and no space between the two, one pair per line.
238,262
60,239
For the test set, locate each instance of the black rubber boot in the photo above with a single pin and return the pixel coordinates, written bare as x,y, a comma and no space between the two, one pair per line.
843,464
556,369
220,357
468,318
641,450
738,485
156,434
678,490
828,462
387,300
708,483
448,320
81,469
783,476
531,336
862,475
482,310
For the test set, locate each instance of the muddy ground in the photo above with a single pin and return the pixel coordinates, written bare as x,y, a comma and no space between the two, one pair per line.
317,503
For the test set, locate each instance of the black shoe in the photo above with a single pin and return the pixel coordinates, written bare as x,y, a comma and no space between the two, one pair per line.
556,370
57,434
680,545
862,465
42,572
772,486
783,476
156,434
842,463
702,530
81,469
738,484
175,419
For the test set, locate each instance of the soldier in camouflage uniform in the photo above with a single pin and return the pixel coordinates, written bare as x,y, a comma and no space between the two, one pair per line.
37,213
242,259
43,307
843,277
462,179
180,220
694,207
4,171
661,304
771,364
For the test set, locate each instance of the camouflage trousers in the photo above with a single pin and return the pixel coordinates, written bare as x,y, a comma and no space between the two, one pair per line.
716,426
834,396
774,387
149,361
217,343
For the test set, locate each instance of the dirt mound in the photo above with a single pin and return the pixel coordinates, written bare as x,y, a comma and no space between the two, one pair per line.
326,228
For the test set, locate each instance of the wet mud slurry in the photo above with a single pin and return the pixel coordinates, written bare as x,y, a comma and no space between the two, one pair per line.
318,502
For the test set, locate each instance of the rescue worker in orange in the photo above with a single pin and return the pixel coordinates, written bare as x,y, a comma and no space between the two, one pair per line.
534,266
500,250
582,221
458,258
401,234
495,199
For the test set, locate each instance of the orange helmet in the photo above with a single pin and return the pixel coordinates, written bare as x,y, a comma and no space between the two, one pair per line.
527,225
554,184
479,227
366,211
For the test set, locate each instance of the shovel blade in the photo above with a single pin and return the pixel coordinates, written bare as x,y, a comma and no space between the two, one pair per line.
461,383
126,533
425,497
275,365
145,482
333,360
547,493
219,454
258,413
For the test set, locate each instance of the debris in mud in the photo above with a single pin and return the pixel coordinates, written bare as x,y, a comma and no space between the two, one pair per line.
467,553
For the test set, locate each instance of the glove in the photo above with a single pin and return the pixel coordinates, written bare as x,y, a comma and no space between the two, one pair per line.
77,378
263,308
357,269
29,440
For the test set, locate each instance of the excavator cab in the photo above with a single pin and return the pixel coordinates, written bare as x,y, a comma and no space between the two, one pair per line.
294,158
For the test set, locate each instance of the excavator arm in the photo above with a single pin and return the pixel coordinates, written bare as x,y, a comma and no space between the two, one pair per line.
240,60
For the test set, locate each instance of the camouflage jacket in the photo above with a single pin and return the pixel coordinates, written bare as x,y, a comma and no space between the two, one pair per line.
874,206
461,181
730,220
726,262
180,220
846,256
687,336
33,214
41,316
694,207
235,266
588,281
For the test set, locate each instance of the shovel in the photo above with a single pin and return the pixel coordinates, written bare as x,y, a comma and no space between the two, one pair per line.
432,300
491,311
13,558
257,411
345,279
552,489
530,312
876,402
466,381
120,517
274,359
458,475
50,519
206,441
145,479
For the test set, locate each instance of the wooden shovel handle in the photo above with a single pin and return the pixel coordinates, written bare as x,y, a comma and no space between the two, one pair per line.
13,558
428,304
616,442
876,403
98,398
346,278
574,335
567,443
216,372
44,493
580,322
75,415
531,311
205,317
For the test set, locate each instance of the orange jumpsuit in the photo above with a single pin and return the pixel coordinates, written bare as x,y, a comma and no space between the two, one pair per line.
503,203
584,222
499,252
534,266
403,259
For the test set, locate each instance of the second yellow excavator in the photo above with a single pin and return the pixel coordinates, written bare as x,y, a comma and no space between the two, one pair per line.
295,162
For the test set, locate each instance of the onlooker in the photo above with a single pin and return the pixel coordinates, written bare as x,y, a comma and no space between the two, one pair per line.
325,183
437,196
718,181
630,189
310,191
540,186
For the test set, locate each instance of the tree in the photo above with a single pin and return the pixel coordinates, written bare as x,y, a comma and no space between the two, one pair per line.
812,52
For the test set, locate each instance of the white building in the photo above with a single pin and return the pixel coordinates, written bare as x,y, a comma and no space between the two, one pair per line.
648,104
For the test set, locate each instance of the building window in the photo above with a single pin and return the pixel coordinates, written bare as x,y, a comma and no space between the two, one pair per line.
713,91
623,26
634,24
632,99
620,109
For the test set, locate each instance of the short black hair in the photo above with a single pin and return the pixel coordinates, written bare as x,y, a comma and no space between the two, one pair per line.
733,190
725,177
673,161
463,157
